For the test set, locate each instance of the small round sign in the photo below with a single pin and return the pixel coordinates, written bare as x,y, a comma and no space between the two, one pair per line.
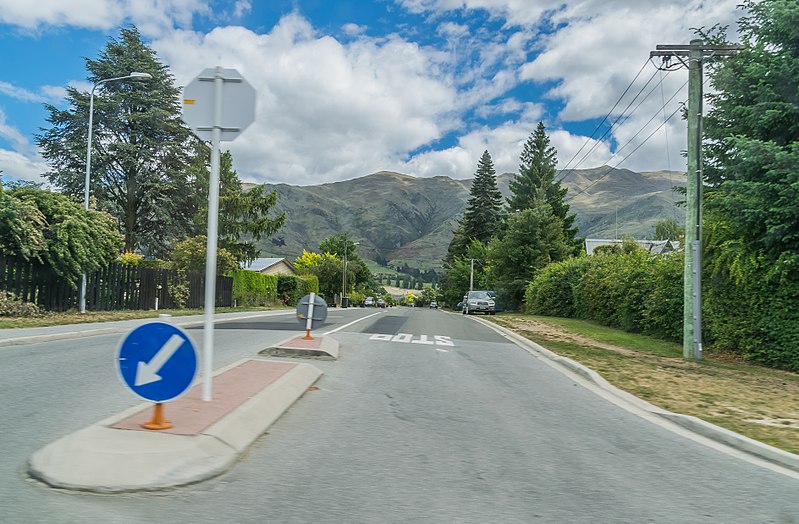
157,361
319,310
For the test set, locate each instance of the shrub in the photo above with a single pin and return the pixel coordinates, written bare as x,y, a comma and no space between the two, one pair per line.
292,288
12,306
251,288
628,289
178,290
551,292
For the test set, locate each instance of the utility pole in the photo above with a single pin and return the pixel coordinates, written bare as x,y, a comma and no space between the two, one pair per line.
471,275
696,52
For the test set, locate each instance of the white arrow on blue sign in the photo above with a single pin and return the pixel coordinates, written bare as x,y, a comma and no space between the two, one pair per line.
157,361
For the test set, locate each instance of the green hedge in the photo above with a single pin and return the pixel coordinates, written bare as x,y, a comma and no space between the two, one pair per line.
251,288
636,292
291,288
754,314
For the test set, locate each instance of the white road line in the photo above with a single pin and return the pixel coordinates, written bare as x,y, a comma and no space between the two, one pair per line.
351,323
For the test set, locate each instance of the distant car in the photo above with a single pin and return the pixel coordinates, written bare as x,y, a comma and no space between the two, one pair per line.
369,302
381,302
433,305
478,301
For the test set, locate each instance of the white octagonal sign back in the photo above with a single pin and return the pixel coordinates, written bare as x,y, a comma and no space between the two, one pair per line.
237,101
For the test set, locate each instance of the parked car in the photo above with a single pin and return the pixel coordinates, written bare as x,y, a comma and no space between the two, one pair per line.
369,302
497,305
433,305
381,302
478,301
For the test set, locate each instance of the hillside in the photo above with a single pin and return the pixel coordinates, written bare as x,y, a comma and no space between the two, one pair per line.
400,219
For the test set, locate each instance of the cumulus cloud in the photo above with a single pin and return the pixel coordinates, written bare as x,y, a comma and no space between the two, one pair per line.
592,57
353,29
12,135
19,93
23,163
151,16
333,109
326,110
22,167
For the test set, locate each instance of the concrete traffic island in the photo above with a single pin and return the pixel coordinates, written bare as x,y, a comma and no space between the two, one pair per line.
117,455
322,348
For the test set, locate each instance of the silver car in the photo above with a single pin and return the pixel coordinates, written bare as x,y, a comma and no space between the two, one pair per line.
478,301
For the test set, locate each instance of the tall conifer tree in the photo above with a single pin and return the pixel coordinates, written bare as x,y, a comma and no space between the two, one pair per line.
536,179
483,216
140,147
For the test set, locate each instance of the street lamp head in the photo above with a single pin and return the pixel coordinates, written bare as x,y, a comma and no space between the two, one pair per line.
140,76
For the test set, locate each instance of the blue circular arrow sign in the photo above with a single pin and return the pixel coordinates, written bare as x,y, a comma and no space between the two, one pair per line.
157,361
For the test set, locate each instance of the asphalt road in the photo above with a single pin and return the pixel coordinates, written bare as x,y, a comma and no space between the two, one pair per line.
427,417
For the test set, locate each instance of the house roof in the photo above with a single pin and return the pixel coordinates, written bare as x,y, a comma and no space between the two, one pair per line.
653,246
259,264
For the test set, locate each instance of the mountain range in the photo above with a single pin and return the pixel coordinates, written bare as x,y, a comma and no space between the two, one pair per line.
404,220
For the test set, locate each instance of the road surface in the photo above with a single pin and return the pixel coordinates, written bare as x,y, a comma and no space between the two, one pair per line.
428,416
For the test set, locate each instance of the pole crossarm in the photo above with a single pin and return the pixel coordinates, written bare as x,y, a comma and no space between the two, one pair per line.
685,49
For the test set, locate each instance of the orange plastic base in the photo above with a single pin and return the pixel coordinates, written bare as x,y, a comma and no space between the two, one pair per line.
158,421
307,335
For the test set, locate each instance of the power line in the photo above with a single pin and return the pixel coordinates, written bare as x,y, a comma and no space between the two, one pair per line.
607,116
592,184
623,117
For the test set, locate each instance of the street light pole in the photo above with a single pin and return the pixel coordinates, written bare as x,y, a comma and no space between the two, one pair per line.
136,75
344,276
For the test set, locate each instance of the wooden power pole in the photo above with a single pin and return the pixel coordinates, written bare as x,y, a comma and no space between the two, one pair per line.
696,52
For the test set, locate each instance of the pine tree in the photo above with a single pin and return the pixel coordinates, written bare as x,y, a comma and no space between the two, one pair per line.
536,179
483,216
243,214
140,148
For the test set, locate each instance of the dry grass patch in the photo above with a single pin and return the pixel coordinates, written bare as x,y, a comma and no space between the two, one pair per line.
758,402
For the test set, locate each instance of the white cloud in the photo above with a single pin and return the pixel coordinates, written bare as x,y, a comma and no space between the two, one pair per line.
21,167
592,57
152,17
241,8
326,110
19,93
354,29
13,135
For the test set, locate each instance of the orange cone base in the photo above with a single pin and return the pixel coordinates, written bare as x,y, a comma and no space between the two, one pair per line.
158,421
307,335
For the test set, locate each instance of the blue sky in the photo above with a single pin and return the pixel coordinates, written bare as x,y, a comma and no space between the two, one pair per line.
348,88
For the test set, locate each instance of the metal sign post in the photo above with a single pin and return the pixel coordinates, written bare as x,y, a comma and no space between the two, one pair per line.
311,311
218,105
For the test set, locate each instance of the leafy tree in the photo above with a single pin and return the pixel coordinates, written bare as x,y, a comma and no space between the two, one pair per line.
753,132
536,180
243,214
533,239
668,229
190,255
358,274
140,147
41,225
455,282
327,267
752,204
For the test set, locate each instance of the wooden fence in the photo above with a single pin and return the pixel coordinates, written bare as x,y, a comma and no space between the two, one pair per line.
114,287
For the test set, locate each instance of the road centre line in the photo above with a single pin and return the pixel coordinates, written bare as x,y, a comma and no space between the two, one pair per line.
351,323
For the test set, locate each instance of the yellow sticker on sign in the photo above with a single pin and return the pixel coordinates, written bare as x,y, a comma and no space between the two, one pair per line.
188,101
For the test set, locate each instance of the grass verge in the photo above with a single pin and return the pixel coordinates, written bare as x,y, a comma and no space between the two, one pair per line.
74,317
760,403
